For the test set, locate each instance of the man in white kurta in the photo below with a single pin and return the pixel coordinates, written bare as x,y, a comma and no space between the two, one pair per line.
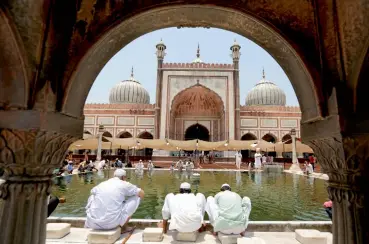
228,213
186,210
112,202
238,156
258,159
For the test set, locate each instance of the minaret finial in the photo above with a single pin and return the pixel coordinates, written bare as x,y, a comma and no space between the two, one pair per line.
132,72
198,50
263,73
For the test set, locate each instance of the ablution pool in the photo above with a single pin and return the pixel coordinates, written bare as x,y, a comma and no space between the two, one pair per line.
274,196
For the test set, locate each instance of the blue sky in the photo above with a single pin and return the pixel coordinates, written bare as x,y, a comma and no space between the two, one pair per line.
181,48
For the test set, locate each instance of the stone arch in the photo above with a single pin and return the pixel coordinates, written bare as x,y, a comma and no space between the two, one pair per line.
107,134
262,33
214,101
124,134
204,132
145,135
361,75
249,136
14,77
198,122
191,86
270,137
147,152
287,139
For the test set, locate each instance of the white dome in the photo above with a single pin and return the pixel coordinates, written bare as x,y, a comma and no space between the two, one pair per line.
129,91
266,93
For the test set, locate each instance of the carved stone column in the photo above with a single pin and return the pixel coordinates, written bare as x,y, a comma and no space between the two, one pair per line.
28,159
346,161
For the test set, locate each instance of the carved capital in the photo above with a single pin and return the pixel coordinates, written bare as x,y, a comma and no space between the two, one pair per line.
27,154
344,160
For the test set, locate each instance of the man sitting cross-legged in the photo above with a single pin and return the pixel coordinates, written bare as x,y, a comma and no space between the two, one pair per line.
185,210
112,203
228,213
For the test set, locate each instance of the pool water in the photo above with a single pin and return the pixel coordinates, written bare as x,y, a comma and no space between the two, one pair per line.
274,196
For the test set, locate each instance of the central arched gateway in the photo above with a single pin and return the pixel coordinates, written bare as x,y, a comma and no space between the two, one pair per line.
197,109
197,131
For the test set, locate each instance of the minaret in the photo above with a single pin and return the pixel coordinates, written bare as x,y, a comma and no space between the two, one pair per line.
235,48
197,60
160,53
132,77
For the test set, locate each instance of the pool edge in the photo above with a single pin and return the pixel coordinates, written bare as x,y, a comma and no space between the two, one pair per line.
254,226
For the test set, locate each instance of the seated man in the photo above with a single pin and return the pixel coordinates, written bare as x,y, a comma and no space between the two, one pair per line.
118,163
228,213
112,202
328,208
52,203
185,210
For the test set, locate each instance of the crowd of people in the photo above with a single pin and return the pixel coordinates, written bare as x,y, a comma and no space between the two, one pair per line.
113,202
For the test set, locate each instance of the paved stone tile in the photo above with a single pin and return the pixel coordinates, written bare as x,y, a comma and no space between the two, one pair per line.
76,235
275,237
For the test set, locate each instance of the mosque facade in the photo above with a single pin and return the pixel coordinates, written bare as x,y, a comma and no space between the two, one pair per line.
195,100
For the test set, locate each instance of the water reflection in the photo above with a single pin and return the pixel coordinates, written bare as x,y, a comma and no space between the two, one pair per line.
238,178
258,178
311,180
275,196
100,174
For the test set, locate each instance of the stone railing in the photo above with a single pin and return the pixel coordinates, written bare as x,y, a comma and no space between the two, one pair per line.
119,106
196,66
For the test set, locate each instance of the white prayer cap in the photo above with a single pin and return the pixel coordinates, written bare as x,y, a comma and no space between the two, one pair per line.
119,173
185,185
225,185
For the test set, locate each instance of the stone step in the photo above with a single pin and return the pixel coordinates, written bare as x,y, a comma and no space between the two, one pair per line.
186,236
305,236
57,230
104,236
250,240
228,239
152,235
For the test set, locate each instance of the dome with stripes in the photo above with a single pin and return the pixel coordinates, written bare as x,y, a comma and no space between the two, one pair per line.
266,93
129,91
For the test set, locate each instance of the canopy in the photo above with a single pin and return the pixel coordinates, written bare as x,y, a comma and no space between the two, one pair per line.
175,145
87,136
124,143
183,145
283,147
300,148
208,146
235,145
154,144
263,145
91,144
